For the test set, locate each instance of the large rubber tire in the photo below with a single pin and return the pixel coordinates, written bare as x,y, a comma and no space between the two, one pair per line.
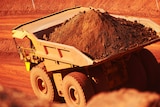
137,77
77,89
41,84
152,69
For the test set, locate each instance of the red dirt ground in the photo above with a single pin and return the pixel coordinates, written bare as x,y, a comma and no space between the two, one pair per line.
12,70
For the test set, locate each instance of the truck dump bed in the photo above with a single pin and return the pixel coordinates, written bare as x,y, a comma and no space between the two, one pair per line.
65,53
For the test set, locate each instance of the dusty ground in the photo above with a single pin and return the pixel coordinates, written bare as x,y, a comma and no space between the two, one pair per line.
12,70
125,98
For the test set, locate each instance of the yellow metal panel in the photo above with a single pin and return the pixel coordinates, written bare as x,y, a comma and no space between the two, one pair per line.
58,82
52,65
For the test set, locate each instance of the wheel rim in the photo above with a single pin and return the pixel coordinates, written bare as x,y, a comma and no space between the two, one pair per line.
74,96
42,86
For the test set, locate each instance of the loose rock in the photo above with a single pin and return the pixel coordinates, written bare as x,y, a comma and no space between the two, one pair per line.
100,35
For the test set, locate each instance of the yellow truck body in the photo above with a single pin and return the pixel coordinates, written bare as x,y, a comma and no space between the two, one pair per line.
58,60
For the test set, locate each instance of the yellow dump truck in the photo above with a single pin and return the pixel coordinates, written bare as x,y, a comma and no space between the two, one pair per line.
62,71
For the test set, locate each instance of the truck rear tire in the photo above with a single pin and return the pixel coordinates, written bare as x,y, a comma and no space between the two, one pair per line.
41,84
152,69
77,89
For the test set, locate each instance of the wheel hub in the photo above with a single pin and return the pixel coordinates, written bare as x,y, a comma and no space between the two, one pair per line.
42,85
74,96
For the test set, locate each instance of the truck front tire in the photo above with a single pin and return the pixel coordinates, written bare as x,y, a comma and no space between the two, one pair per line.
41,84
77,89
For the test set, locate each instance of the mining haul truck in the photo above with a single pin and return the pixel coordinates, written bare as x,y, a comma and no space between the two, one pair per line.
60,71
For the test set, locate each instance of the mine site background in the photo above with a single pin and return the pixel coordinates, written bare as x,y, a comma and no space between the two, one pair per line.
14,12
149,8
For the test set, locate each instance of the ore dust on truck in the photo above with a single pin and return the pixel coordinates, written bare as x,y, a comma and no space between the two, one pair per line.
82,51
